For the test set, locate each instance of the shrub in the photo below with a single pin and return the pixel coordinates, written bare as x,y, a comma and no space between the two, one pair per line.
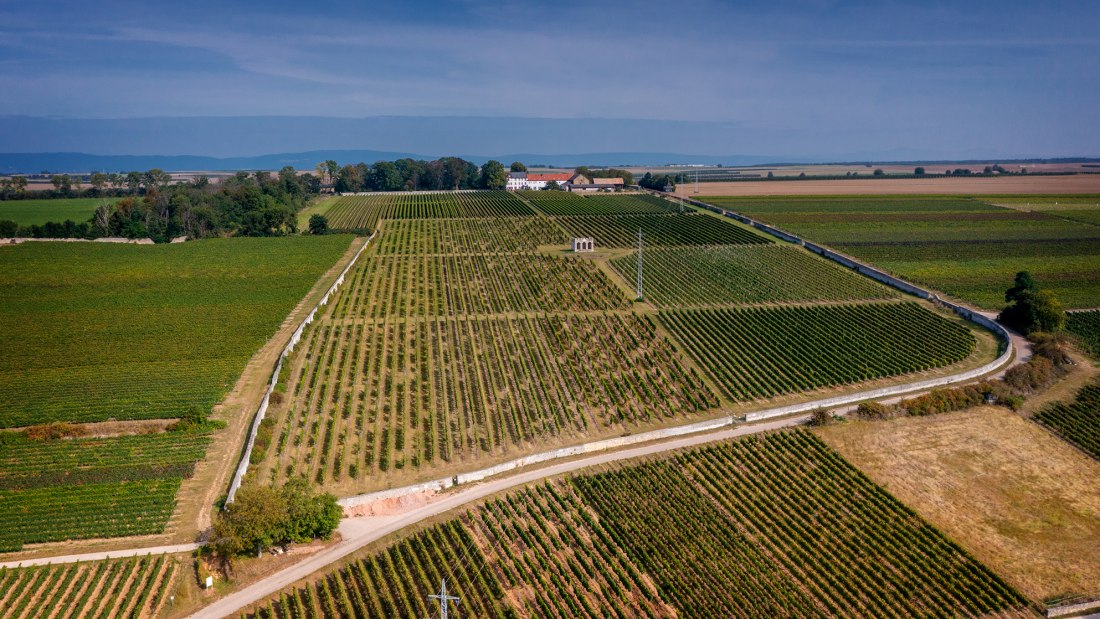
874,410
821,417
55,431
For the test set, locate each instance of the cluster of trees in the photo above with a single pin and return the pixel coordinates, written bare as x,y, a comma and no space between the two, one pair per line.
1031,308
657,182
259,204
102,184
262,517
413,175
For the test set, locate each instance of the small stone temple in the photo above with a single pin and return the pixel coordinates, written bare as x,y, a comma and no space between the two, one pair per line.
584,244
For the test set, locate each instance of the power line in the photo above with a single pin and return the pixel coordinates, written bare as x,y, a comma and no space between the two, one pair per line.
443,599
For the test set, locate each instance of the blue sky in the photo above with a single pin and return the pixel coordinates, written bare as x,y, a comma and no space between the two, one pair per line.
1002,78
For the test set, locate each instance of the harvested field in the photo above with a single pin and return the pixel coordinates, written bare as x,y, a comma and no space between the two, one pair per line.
1017,498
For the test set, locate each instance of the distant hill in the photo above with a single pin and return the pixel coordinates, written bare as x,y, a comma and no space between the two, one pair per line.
34,163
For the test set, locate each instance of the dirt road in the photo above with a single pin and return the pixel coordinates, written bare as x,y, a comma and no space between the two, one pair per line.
961,185
358,532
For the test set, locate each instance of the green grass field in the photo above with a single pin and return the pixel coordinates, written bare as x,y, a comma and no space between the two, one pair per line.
965,246
101,331
29,212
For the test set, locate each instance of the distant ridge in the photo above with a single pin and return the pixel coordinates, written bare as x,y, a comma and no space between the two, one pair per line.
34,163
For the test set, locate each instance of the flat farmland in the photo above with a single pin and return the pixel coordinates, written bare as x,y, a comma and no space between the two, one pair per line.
738,274
564,203
774,525
360,213
1086,327
961,245
459,342
100,332
660,230
960,185
756,353
1016,497
29,212
1077,421
137,588
103,331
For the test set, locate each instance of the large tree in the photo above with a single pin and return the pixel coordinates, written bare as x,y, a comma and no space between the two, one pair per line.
1031,308
518,166
493,175
262,516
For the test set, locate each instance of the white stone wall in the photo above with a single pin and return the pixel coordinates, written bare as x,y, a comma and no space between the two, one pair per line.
242,467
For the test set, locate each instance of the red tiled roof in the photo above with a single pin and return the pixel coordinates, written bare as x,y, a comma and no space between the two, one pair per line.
549,177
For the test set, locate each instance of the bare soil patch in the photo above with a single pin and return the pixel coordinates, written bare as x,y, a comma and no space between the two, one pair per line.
1080,183
1021,500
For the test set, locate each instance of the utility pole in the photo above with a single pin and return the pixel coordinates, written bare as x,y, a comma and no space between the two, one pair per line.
443,599
640,264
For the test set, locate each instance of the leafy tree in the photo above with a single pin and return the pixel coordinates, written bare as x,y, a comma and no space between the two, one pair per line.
919,171
879,172
62,183
1024,283
262,516
385,177
493,175
98,181
517,167
552,186
8,228
318,224
1031,308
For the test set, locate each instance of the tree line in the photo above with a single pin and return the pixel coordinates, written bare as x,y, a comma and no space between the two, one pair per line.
446,173
258,204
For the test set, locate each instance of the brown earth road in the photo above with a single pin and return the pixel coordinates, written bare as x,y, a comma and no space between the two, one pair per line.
957,185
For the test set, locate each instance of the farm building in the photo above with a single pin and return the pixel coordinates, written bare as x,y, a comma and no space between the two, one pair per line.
525,180
598,184
584,244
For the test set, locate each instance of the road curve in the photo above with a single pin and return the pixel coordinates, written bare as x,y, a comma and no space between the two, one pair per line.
358,532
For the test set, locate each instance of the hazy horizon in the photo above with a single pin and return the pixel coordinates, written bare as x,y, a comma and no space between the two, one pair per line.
809,80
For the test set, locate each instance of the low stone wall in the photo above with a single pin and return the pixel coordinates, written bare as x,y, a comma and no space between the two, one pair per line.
356,503
1074,610
242,467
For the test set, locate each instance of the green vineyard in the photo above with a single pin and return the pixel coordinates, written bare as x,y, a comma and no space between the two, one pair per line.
764,352
108,509
467,236
657,230
135,588
776,525
390,395
1077,421
567,204
161,329
451,285
704,276
1086,326
362,212
962,245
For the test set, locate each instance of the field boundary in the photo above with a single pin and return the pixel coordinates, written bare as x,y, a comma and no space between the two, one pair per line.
246,455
